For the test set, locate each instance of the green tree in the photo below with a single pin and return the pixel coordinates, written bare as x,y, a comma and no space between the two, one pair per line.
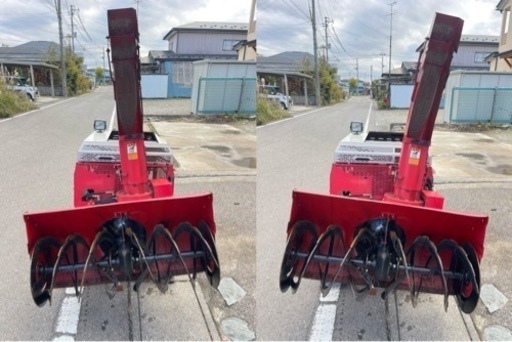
77,82
330,92
352,84
99,73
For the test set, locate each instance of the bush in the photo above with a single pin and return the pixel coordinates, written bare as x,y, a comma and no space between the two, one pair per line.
383,103
267,111
13,103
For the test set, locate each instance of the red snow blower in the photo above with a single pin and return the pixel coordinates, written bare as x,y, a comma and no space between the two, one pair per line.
383,225
126,225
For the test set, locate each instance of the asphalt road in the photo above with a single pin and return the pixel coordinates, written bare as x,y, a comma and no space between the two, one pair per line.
296,153
39,152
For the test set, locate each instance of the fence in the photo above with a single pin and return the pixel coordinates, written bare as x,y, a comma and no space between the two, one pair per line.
299,100
47,91
480,105
226,95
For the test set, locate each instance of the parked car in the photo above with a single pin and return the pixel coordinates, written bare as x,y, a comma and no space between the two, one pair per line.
19,84
273,93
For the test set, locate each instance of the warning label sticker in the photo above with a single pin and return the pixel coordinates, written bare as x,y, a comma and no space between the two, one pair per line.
132,151
415,156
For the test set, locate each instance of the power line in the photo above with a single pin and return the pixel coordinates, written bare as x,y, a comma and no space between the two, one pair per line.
270,3
83,26
300,9
390,34
363,24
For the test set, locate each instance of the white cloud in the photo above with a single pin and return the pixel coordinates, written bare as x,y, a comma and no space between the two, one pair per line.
30,20
362,28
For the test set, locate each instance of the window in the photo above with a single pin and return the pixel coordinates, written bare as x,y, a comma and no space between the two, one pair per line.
182,73
228,44
480,57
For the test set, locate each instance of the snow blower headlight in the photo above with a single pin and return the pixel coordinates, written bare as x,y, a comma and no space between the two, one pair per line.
100,125
356,127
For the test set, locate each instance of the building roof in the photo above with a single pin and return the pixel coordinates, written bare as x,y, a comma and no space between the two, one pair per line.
289,61
209,26
155,55
36,51
473,39
407,65
477,38
501,5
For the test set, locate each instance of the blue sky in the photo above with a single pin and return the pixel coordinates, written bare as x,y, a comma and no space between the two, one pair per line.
361,29
22,21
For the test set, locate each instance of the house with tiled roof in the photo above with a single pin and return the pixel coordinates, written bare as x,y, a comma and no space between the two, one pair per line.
191,42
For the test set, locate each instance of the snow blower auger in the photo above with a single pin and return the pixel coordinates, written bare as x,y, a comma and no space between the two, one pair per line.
383,225
126,225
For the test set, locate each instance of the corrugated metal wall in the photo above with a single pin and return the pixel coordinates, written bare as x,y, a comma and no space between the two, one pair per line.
478,97
481,105
224,87
226,95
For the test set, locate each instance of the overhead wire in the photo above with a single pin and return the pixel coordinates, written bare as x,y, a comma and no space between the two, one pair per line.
306,15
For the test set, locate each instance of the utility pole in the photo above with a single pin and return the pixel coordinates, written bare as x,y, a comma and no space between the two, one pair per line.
357,76
371,74
137,1
327,46
61,41
390,36
382,63
72,13
315,48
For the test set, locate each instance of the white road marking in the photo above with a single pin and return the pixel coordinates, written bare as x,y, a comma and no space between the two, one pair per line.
333,295
69,313
366,125
64,338
70,291
293,117
112,118
325,316
323,323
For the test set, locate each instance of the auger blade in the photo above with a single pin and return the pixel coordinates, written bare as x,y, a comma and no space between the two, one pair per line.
424,249
463,262
351,213
47,231
301,241
43,257
71,254
328,250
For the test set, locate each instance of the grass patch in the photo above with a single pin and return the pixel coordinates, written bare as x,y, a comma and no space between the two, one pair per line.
12,103
267,111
